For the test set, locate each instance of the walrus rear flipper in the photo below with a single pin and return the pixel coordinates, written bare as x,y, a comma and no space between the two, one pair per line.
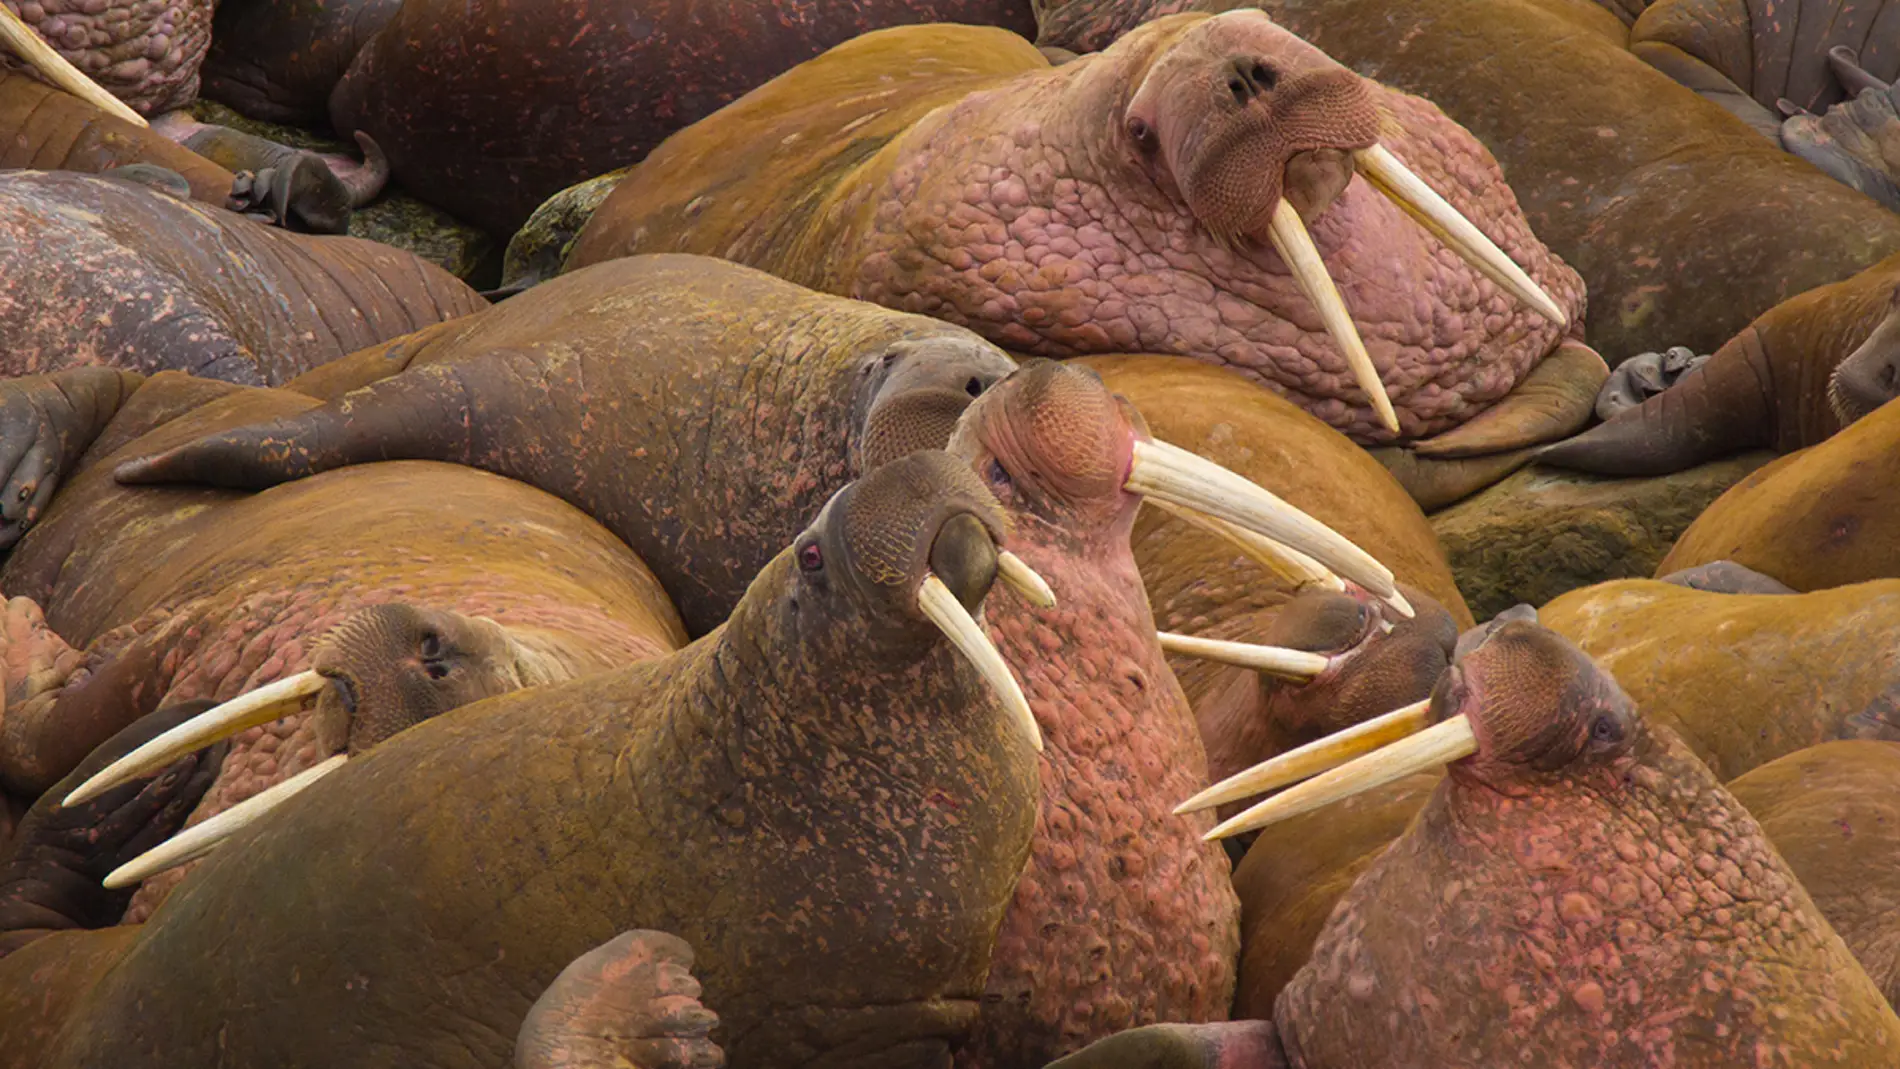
422,414
1716,410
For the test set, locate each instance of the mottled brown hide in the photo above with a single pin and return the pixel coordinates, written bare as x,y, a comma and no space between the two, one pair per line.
278,60
43,129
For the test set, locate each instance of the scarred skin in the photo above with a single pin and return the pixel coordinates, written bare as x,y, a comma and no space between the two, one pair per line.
1794,377
1828,515
1199,585
145,52
1580,892
1776,673
703,465
461,93
49,130
103,271
1123,916
159,596
1072,210
1833,813
758,794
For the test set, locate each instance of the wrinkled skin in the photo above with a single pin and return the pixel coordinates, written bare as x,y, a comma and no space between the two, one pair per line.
51,868
1744,678
1116,203
48,130
128,599
630,1001
104,271
616,802
1794,377
1825,516
1634,215
579,387
1199,585
461,93
1123,917
1833,813
1636,889
145,52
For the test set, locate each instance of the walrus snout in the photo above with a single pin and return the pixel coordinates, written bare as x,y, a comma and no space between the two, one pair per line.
1870,376
920,388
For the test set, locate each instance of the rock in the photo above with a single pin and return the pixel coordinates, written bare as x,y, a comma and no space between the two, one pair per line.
538,249
1543,531
394,218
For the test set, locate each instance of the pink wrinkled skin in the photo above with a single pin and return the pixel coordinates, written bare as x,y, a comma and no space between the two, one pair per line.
145,52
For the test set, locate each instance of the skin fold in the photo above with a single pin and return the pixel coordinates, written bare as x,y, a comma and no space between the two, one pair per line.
1821,517
1792,378
702,466
201,593
685,795
110,272
1071,210
54,131
1764,50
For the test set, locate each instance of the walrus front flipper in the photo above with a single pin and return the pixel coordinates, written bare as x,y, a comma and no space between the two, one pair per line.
1554,401
50,872
1726,577
424,413
1718,409
46,424
1255,1044
629,1001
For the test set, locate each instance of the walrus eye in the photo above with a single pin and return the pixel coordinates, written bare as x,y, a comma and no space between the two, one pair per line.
811,558
1606,730
997,474
431,647
1141,134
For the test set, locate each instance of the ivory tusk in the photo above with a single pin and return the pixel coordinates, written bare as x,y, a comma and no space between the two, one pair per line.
1023,579
1298,569
1449,225
1174,475
200,839
1313,758
1297,665
1440,744
247,710
26,43
957,625
1296,247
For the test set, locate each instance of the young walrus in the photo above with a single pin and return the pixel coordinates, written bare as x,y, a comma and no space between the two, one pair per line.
822,798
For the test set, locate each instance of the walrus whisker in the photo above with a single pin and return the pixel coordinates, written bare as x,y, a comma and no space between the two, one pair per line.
1449,225
1302,257
1315,757
200,839
1023,579
247,710
1300,666
943,609
1169,473
1442,743
29,46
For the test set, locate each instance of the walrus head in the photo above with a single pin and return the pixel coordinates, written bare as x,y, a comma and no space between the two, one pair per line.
1870,375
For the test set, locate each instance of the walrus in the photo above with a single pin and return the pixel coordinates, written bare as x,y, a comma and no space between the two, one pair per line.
1153,198
112,272
823,799
1576,873
1821,517
1794,377
50,130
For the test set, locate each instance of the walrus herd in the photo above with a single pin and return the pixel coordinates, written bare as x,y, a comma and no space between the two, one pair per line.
922,553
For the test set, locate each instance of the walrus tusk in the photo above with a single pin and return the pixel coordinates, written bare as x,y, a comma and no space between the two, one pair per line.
1313,758
200,839
1299,666
247,710
1298,569
1448,224
29,46
957,625
1174,475
1441,744
1023,579
1296,247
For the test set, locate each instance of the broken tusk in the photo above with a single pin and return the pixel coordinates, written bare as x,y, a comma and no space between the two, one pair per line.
1297,665
957,625
1296,247
1313,758
1169,473
247,710
1023,579
1448,224
26,43
1442,743
200,839
1298,569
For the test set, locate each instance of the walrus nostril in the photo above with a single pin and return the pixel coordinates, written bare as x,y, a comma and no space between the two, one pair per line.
1249,78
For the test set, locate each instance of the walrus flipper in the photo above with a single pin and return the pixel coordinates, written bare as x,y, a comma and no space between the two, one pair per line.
630,1001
